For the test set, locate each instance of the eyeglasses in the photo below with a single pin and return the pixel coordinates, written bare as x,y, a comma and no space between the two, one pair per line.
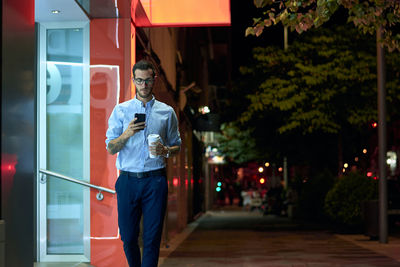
139,81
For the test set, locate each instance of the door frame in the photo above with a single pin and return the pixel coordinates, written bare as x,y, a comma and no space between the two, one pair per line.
41,252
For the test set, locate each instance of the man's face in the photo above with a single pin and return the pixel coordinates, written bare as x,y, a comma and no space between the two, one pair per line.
144,81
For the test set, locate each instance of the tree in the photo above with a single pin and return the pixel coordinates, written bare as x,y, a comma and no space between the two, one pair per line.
380,16
322,87
235,144
302,15
323,82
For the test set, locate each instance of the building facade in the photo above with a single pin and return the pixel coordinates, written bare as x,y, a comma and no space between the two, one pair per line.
65,65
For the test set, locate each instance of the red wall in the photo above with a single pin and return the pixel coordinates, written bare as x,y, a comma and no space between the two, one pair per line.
110,61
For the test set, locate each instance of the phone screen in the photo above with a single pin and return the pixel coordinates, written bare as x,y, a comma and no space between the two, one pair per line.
141,117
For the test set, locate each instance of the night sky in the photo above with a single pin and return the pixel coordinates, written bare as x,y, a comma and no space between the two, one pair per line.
243,12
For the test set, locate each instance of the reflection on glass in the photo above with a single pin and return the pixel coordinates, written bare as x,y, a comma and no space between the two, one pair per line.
85,4
107,9
64,114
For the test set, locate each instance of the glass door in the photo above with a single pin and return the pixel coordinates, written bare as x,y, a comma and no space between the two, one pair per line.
63,142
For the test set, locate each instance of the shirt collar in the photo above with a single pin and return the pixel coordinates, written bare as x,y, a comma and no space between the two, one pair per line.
150,103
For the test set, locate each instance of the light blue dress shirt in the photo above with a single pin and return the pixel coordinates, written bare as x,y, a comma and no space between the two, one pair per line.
160,119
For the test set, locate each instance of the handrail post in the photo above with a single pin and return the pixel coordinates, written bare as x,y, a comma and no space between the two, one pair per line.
99,196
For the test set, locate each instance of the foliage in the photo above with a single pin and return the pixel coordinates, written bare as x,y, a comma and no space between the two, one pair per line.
323,82
301,15
343,202
322,85
236,144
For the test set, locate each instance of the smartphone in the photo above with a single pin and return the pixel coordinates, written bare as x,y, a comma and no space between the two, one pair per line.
141,117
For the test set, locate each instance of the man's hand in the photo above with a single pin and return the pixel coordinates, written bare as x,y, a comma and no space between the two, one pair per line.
158,149
134,128
114,146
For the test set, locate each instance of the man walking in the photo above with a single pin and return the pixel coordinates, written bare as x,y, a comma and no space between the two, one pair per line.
142,184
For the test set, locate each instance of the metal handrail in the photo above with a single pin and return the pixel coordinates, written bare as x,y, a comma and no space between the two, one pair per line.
99,195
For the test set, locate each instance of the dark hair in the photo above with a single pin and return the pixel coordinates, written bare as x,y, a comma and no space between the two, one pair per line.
143,65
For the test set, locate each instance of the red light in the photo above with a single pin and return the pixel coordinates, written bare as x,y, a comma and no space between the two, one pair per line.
369,174
8,163
262,180
8,170
175,181
374,124
375,178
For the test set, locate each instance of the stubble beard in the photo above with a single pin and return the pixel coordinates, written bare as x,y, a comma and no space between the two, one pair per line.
145,96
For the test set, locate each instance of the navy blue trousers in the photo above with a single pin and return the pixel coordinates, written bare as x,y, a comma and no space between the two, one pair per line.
139,197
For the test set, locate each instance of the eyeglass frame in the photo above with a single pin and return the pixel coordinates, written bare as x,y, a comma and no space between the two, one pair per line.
144,81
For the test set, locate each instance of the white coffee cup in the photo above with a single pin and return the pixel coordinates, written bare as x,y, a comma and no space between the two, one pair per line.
152,138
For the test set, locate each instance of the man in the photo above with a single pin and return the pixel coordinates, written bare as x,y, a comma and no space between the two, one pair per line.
142,184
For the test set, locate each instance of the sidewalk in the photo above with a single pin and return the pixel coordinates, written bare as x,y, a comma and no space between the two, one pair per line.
239,238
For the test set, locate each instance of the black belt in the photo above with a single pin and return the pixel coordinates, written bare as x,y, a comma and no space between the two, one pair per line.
159,172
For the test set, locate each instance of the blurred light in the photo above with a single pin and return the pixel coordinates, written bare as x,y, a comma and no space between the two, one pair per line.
375,178
365,151
8,162
369,174
392,161
219,184
218,189
56,11
216,160
266,164
280,169
175,181
356,159
374,124
262,180
346,165
204,110
344,170
261,169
